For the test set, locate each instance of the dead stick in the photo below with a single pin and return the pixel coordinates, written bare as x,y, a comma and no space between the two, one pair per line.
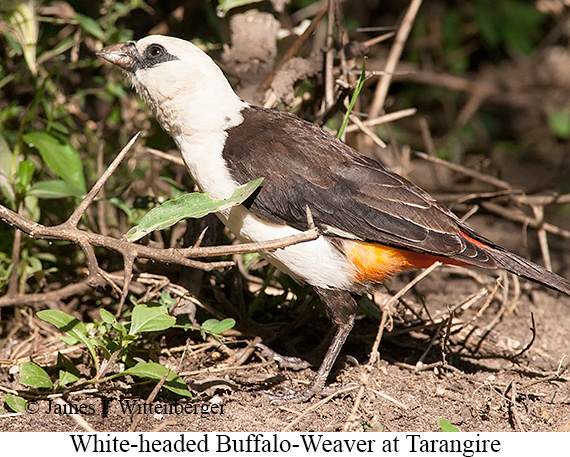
263,246
466,171
80,210
393,58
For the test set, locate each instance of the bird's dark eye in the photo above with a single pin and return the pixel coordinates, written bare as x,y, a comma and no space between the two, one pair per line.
152,55
154,50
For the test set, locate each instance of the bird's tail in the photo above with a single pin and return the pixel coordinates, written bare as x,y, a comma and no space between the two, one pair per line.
527,269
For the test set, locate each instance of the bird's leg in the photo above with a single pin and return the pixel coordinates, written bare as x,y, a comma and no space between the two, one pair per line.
341,308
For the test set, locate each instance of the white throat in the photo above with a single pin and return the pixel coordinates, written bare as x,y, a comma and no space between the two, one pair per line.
196,112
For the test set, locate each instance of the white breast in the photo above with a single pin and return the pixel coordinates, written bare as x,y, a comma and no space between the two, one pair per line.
314,262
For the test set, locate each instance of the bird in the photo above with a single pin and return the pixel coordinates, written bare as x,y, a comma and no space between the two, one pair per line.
373,223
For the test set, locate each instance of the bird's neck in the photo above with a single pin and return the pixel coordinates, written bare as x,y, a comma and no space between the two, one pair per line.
197,118
202,142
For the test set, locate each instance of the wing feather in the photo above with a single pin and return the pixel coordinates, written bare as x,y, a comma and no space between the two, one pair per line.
346,192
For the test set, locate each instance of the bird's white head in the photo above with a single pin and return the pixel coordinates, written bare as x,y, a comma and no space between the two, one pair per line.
187,92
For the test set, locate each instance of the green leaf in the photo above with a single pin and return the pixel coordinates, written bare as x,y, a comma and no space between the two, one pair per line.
6,171
559,123
24,175
107,317
15,403
70,340
130,212
55,188
60,155
70,325
215,326
447,426
193,205
32,375
155,371
68,373
150,319
90,26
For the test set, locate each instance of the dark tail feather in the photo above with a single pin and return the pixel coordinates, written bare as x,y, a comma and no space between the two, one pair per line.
529,270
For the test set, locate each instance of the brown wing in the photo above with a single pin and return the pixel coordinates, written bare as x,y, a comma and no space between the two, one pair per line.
347,193
352,196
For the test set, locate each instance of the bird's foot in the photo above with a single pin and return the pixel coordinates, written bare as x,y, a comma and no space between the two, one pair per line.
284,362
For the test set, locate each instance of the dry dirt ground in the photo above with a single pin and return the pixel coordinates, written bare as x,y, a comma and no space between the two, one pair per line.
492,391
495,363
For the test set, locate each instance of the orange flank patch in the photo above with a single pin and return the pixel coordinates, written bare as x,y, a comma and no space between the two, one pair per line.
475,242
376,263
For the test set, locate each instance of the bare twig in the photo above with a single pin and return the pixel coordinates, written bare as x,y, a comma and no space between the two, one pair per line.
166,156
530,343
523,219
351,421
74,235
329,57
137,418
78,418
379,39
390,117
362,126
542,200
80,210
317,405
13,280
466,171
538,211
393,58
513,405
263,246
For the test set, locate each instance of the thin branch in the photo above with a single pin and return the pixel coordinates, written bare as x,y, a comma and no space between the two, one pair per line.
542,200
362,126
390,117
77,418
263,246
16,249
393,58
531,342
317,405
80,210
166,156
466,171
128,260
76,236
523,219
329,57
377,40
46,297
538,212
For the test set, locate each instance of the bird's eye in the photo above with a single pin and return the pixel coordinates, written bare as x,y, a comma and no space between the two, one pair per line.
154,50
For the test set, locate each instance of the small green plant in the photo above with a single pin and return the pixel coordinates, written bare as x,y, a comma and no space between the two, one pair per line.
108,341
